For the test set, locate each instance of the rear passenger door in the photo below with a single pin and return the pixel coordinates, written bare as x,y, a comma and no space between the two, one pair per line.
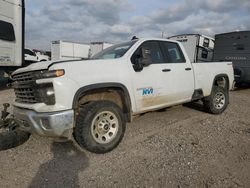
181,72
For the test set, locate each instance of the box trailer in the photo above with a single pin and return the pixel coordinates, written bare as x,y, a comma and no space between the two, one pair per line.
69,50
235,47
198,47
11,34
96,47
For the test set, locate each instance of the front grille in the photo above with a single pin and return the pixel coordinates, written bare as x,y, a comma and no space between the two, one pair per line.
25,87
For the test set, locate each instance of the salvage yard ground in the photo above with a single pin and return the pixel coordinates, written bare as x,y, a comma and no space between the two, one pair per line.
177,147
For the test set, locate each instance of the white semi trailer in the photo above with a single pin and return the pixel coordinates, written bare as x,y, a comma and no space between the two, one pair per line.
63,50
96,47
199,48
11,34
11,37
69,50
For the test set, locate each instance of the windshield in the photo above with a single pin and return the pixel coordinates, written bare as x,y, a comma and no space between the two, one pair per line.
115,51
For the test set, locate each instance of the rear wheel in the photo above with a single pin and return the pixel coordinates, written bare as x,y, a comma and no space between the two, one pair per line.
217,102
100,126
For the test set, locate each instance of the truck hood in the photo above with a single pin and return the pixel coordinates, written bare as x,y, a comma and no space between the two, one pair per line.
45,65
41,65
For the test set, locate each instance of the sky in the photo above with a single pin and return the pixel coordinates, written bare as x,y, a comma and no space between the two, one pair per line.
115,21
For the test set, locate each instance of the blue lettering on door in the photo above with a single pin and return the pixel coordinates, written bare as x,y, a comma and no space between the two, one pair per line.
147,91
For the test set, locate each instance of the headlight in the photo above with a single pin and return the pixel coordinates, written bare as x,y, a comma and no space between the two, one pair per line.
50,74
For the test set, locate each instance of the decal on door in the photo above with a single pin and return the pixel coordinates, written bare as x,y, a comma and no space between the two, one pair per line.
146,91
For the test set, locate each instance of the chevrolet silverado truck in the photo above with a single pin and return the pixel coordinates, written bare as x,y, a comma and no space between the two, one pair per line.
90,101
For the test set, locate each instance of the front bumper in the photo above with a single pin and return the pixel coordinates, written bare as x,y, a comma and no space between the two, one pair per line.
55,124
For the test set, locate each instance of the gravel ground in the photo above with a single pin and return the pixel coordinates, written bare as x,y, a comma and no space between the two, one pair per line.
181,146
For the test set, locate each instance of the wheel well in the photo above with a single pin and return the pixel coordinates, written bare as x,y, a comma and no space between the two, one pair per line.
221,81
115,95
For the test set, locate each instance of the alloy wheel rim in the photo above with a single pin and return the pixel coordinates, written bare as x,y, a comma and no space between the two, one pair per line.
104,127
219,100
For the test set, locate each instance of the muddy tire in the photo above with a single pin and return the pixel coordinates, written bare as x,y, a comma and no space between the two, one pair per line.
100,126
217,102
12,138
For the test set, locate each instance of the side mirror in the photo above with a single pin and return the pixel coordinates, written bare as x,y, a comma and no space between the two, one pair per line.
138,66
142,59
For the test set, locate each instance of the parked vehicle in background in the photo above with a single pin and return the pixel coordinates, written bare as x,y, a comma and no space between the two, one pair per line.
198,47
63,50
11,34
42,55
32,56
96,47
235,47
90,101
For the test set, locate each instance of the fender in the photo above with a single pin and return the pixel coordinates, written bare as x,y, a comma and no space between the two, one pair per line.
219,76
111,85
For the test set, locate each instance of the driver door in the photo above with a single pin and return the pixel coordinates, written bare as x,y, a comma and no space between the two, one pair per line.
153,84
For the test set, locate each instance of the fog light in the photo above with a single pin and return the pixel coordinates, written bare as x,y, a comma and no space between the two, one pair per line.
50,92
46,93
45,123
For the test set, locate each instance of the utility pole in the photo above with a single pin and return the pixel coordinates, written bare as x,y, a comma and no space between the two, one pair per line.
162,34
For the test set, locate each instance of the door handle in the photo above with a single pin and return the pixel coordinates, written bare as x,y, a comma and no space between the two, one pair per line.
166,70
188,69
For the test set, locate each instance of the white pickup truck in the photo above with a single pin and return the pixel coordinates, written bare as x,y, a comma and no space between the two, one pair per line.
90,101
33,56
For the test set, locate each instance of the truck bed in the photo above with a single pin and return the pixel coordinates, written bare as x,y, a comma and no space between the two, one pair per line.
204,73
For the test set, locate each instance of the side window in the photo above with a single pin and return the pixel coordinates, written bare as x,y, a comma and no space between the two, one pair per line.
173,52
204,54
7,31
206,42
239,46
28,52
153,48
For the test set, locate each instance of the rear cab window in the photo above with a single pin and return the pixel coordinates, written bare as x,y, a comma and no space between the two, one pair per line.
173,52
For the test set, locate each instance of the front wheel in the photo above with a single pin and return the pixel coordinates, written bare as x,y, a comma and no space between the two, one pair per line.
100,126
217,102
